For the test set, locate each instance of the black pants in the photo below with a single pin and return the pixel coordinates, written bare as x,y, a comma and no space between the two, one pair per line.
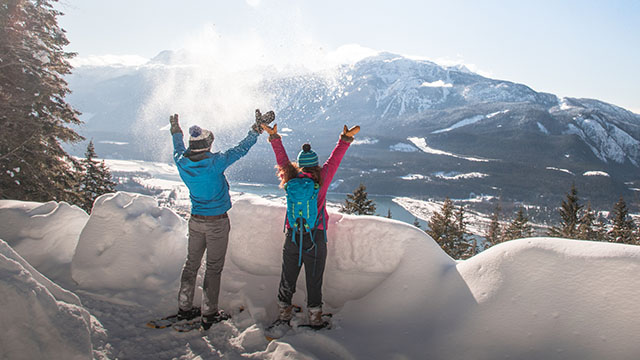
313,259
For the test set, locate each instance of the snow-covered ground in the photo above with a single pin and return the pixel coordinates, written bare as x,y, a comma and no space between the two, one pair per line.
393,292
421,143
477,223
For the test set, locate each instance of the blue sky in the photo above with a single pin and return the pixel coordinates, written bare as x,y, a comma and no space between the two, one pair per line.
569,48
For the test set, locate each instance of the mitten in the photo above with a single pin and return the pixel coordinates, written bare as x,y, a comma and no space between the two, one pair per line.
272,131
262,119
347,134
175,126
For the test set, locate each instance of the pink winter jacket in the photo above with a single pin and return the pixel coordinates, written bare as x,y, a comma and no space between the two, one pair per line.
328,171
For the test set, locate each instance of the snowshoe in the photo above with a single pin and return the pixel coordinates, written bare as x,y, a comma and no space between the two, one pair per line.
205,322
324,323
280,327
180,317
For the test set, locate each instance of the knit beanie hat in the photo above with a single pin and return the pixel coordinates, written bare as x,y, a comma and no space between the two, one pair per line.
307,157
200,140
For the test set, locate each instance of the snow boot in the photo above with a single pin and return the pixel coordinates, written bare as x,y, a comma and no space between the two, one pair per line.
316,319
208,320
285,312
315,316
188,314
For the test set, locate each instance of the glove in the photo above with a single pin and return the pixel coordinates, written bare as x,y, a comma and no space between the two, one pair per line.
272,131
347,134
175,126
262,119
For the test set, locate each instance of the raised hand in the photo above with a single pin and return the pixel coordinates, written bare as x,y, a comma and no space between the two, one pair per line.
350,132
175,125
268,117
262,119
270,130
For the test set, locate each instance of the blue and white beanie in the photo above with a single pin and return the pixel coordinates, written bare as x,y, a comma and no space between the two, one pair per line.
200,140
307,157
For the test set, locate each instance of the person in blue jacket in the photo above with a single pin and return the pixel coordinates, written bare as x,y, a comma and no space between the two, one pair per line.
203,173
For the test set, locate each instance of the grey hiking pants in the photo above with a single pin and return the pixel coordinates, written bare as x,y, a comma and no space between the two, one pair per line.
213,236
313,259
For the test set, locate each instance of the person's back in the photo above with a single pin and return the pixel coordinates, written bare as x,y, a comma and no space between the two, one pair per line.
203,173
309,249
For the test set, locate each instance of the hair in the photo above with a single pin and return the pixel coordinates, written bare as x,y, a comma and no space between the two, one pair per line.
291,170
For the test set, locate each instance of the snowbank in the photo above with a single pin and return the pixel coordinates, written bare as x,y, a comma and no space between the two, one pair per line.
39,319
394,293
554,299
130,245
362,250
45,234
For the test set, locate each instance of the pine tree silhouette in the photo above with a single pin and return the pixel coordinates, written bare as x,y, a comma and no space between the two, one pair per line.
358,203
569,217
34,115
448,228
95,179
494,232
519,227
623,225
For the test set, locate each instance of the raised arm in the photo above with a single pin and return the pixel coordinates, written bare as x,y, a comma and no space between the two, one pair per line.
235,153
333,162
176,134
276,144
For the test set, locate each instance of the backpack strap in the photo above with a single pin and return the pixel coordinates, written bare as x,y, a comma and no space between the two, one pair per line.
324,222
300,252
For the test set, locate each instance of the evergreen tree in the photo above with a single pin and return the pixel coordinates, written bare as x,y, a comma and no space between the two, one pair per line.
569,217
623,226
358,203
463,248
442,227
34,117
447,228
494,233
588,226
519,227
95,179
416,223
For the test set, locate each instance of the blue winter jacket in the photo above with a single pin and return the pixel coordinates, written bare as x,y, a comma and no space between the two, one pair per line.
208,187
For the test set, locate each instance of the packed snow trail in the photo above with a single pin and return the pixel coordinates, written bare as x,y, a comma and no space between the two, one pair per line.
394,293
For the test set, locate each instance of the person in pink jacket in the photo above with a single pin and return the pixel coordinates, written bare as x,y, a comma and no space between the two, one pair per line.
313,261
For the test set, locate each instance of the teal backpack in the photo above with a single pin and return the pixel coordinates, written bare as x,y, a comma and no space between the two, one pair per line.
302,208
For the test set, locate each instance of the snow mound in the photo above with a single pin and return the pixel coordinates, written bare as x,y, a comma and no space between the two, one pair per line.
45,234
38,321
358,261
393,292
130,244
554,299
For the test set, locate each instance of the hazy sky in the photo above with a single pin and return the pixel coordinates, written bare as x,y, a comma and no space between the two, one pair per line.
569,48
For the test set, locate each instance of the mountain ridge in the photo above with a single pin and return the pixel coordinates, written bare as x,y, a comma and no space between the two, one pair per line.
458,115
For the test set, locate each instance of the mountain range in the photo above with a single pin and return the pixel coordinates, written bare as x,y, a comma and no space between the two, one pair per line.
428,130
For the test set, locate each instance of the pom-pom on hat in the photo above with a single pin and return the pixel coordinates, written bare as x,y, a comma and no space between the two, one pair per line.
307,157
200,139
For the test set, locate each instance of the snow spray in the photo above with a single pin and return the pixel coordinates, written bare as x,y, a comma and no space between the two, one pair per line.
217,81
